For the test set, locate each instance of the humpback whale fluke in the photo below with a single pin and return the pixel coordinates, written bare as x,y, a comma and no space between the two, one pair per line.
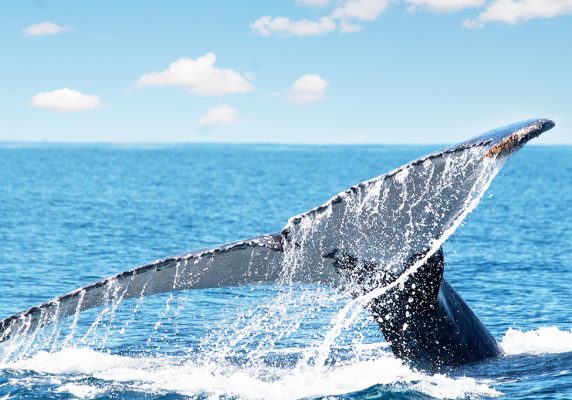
384,232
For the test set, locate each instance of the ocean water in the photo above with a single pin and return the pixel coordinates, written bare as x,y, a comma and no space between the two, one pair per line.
70,215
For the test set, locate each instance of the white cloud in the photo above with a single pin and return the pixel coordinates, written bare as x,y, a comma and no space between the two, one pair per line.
444,5
267,25
344,11
313,3
45,28
309,88
199,77
363,10
515,11
221,114
65,101
347,14
346,27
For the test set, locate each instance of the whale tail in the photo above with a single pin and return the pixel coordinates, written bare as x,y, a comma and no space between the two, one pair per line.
359,240
428,323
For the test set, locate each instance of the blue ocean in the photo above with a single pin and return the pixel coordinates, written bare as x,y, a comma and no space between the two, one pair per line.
73,214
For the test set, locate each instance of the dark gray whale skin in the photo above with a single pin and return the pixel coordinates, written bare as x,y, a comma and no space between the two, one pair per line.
437,328
425,320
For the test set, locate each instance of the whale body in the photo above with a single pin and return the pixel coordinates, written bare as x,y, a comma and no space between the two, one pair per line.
384,232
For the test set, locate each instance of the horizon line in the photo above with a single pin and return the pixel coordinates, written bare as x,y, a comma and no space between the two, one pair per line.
40,143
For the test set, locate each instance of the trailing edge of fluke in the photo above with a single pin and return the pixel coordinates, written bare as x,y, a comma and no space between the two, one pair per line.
359,240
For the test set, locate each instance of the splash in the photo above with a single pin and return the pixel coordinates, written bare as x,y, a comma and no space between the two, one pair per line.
546,340
79,367
463,178
305,339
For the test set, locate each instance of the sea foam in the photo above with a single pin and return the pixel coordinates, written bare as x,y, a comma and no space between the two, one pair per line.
546,340
193,378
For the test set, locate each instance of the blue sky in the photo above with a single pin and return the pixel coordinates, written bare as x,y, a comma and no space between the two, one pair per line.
293,71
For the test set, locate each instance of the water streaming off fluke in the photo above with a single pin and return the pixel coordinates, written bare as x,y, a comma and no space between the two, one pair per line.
320,274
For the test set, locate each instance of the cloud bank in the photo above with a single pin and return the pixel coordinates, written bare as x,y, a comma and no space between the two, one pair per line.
346,13
514,11
349,15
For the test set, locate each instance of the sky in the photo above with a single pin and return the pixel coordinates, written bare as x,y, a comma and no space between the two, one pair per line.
284,71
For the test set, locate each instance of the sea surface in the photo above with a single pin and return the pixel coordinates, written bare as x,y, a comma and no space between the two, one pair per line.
71,215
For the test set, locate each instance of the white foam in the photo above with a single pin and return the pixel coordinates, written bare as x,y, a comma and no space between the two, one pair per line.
544,340
72,360
188,377
81,391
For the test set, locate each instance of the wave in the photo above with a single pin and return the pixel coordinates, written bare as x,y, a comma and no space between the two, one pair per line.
192,378
546,340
